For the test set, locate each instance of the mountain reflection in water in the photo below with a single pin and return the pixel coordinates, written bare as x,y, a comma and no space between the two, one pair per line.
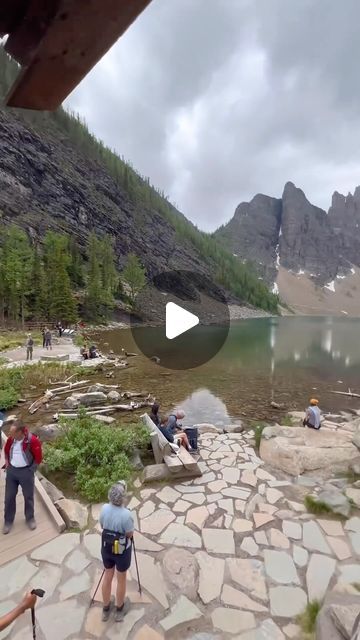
283,359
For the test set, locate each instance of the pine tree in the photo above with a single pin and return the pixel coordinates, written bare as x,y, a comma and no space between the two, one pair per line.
60,303
109,275
37,289
17,255
134,277
93,298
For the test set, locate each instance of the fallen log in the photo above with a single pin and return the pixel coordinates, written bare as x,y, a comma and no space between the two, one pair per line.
136,394
70,386
349,394
41,401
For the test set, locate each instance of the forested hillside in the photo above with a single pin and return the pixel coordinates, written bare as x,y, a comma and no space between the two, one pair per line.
56,176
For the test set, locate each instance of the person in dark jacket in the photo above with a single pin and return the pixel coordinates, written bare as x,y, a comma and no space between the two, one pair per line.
23,453
154,415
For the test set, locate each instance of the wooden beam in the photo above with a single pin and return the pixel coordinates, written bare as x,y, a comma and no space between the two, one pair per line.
79,35
24,40
11,14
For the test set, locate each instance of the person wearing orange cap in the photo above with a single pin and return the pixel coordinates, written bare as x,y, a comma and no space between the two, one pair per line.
313,416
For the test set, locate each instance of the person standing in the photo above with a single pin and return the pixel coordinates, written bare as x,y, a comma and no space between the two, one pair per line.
23,453
313,416
29,347
48,338
116,543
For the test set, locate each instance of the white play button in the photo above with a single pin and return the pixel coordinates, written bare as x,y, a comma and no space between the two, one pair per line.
178,320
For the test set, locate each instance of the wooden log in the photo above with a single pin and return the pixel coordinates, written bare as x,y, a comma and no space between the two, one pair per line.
349,394
48,395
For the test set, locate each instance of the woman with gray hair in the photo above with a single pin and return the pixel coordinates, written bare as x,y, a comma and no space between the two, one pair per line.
118,527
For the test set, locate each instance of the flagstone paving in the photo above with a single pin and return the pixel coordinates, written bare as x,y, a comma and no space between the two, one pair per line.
232,554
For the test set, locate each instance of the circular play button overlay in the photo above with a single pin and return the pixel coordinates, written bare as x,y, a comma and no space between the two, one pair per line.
189,316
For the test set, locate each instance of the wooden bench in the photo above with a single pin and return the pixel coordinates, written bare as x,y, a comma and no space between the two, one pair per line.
179,463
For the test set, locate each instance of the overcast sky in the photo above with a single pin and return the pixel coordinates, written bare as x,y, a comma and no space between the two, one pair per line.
217,100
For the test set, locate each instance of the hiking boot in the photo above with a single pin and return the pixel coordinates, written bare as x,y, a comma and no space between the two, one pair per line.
107,610
7,527
31,524
121,612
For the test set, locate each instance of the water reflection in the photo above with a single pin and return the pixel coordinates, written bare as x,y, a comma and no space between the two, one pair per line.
204,406
282,359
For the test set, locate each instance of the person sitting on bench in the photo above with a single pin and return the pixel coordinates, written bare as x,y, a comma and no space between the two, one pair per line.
170,428
313,417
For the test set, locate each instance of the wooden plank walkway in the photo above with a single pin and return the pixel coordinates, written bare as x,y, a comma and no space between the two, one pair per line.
21,540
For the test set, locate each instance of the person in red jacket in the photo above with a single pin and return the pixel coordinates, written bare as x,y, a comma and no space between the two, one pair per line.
23,454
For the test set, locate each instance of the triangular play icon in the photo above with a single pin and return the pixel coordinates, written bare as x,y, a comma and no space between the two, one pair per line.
178,320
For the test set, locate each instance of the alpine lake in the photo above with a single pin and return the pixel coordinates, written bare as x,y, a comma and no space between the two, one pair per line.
286,360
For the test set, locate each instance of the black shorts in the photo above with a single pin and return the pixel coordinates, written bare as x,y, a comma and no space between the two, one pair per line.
121,561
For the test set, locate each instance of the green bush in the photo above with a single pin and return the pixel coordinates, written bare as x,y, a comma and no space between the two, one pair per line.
95,454
10,387
315,506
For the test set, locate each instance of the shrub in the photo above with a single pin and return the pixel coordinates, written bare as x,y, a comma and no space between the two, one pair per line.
95,454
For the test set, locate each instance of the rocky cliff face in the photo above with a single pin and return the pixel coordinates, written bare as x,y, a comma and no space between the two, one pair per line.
295,234
45,183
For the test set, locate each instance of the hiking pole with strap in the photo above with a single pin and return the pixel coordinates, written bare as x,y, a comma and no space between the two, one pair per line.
137,567
40,594
97,589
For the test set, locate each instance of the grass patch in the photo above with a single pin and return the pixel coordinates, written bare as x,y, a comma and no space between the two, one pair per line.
95,455
13,339
13,382
287,421
258,429
307,620
316,506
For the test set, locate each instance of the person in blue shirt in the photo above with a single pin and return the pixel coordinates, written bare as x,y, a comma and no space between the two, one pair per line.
116,543
313,416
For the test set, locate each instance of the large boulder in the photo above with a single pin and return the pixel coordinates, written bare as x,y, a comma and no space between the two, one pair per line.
85,399
114,396
335,500
204,427
48,432
97,387
337,618
234,428
296,450
74,514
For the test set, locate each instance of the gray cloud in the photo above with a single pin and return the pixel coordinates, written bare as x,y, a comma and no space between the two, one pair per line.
217,100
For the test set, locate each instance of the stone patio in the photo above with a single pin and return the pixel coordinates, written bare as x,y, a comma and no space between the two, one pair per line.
230,555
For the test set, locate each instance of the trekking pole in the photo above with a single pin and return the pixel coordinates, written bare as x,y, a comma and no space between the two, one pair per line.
136,564
97,588
40,594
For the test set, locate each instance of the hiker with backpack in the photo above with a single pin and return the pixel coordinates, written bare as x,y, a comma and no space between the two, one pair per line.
29,347
116,545
23,453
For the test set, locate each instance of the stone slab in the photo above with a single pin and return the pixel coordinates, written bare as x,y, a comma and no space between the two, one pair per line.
292,530
92,543
250,575
300,555
219,541
340,548
60,620
157,521
151,577
232,620
122,632
211,576
280,567
180,536
197,516
147,633
313,539
183,611
15,575
235,598
56,550
331,527
287,602
74,586
318,575
77,562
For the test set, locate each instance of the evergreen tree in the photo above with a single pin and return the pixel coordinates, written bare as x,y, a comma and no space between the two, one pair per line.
134,277
93,298
60,304
17,255
76,265
37,289
109,275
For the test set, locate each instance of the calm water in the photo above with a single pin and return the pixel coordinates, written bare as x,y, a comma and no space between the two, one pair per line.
282,359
